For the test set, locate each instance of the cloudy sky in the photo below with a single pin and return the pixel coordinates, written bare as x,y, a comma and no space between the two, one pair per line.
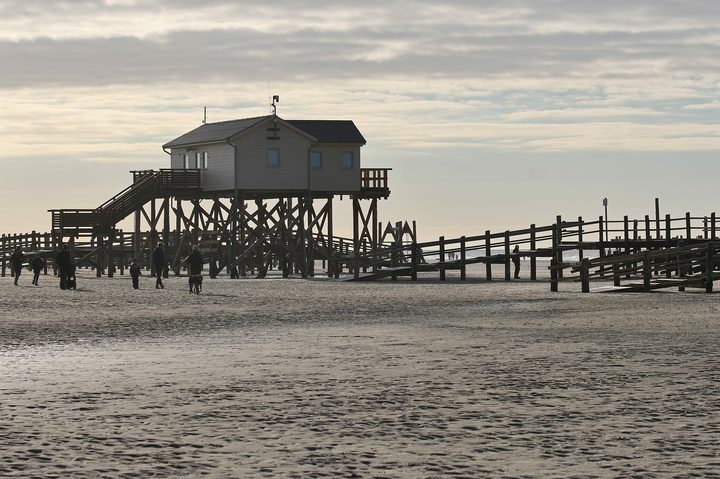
492,114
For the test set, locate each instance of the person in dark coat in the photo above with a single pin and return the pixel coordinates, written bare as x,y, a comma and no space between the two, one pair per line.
135,273
63,260
516,261
195,260
159,263
17,260
37,266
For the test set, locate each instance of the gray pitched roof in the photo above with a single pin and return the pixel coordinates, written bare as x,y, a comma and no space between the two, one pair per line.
326,131
214,132
330,131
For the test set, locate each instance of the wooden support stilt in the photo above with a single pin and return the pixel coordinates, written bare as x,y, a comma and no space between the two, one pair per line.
533,258
111,248
442,258
709,267
463,259
616,269
488,255
508,277
585,275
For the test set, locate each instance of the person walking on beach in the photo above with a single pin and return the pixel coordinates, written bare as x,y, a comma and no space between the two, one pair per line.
135,273
516,261
17,260
37,266
62,260
159,263
195,260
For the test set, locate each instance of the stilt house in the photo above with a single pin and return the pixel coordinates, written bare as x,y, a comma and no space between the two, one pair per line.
269,154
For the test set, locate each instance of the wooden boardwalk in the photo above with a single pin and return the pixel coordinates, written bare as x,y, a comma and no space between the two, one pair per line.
604,245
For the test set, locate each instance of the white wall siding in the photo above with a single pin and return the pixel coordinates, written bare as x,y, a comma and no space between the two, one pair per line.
219,174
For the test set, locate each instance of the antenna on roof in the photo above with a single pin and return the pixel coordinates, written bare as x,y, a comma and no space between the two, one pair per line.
204,115
275,98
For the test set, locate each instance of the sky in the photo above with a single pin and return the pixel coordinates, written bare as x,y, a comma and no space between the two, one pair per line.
493,115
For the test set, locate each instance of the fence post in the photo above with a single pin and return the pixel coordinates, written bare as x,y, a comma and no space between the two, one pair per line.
554,261
442,258
553,274
462,259
712,226
533,258
414,262
581,252
559,233
709,267
688,226
488,255
681,263
601,236
647,273
585,275
507,256
616,269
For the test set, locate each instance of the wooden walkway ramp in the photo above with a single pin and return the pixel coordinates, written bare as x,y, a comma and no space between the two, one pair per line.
683,266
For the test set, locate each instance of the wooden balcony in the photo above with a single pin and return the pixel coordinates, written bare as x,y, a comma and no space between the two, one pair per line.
374,183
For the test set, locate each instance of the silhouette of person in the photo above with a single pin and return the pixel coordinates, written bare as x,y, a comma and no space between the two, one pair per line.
17,262
516,261
63,260
135,273
158,258
195,261
37,266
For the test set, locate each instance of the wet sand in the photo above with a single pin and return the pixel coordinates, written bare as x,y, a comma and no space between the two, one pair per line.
319,378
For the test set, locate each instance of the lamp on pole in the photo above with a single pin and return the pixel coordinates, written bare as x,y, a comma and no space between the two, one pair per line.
605,203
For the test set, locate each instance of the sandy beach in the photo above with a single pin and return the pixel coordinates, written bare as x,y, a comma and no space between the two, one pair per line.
323,378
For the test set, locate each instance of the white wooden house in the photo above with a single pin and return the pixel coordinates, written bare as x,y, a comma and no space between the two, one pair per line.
270,155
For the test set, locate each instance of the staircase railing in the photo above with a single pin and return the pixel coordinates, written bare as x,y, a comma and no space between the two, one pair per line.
147,184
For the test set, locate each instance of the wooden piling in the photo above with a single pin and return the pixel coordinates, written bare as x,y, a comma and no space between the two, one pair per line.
709,267
533,258
442,258
647,271
463,257
585,275
488,254
508,277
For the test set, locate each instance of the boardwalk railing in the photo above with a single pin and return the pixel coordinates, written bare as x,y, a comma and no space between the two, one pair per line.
579,238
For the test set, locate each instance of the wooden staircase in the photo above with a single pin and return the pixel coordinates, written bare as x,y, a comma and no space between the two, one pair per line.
147,185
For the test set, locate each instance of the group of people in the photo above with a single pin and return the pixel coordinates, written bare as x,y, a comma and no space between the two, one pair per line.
66,266
16,264
63,260
194,260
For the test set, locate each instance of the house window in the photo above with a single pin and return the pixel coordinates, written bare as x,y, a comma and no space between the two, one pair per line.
197,159
273,158
346,160
186,162
315,160
204,160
